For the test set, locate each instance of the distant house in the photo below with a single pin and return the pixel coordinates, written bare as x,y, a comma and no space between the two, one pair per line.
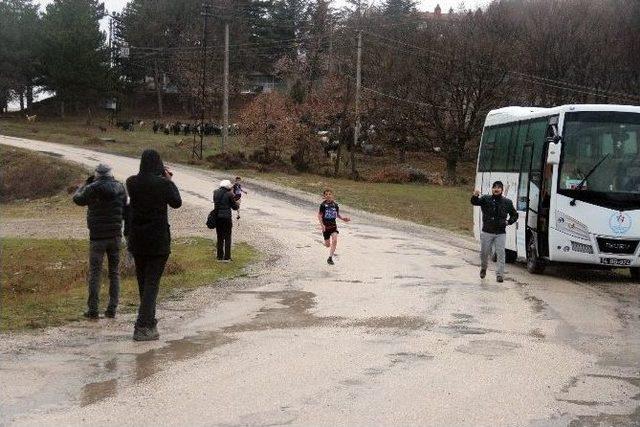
257,82
167,85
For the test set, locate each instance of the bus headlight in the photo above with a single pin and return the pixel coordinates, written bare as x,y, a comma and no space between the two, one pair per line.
571,226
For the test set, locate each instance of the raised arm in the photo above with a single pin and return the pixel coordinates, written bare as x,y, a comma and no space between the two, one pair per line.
84,193
476,200
173,195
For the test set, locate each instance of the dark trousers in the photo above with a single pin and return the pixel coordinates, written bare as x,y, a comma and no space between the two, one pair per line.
223,232
97,249
149,270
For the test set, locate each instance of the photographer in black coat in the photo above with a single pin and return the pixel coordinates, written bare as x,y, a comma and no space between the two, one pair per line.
150,192
106,200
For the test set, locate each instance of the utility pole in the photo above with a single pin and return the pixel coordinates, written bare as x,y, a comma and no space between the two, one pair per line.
356,130
205,35
330,65
225,98
110,41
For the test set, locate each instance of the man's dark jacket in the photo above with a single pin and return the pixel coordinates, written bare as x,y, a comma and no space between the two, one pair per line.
106,199
495,210
149,195
224,202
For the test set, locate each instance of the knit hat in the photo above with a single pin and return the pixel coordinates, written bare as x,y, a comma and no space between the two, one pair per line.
498,184
226,184
103,170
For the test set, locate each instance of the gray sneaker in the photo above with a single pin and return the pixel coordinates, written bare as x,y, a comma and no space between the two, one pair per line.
145,334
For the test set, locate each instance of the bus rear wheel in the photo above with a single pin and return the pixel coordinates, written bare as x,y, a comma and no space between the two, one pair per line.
635,274
534,264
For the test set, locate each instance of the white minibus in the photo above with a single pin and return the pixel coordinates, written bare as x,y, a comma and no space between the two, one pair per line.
573,173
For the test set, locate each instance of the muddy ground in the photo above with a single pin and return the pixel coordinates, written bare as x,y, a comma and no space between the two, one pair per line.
400,331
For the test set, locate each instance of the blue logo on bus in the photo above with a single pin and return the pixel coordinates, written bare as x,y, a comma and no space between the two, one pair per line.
620,223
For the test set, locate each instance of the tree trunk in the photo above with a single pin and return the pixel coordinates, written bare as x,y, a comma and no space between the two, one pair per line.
89,116
452,165
402,154
21,101
158,84
29,97
336,166
354,172
4,104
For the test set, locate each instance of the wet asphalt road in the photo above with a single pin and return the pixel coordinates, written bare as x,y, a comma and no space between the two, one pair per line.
401,331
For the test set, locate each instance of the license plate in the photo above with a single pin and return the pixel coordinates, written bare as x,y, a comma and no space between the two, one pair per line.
615,261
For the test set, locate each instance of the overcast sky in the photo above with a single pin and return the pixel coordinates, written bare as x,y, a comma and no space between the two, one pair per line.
429,5
117,5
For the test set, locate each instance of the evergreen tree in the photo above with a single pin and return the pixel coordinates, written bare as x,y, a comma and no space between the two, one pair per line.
289,20
397,8
74,56
19,38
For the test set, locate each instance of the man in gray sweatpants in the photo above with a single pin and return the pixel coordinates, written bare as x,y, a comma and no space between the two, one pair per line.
497,213
106,199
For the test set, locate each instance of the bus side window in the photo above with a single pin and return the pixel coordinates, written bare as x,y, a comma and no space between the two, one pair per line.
486,149
535,135
501,150
520,136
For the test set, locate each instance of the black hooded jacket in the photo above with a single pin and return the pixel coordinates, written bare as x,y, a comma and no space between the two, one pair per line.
150,193
106,200
495,211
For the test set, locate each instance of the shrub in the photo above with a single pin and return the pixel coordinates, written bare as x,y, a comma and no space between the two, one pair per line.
400,175
227,160
391,174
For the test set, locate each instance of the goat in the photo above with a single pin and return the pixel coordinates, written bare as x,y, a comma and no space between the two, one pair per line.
31,119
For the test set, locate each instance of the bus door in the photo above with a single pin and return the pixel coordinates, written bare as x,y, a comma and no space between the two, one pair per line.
525,215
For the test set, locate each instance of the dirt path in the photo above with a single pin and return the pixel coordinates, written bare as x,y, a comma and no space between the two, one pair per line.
400,331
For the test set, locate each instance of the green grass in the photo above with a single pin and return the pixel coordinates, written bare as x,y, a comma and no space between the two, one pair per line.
44,281
74,131
438,206
59,206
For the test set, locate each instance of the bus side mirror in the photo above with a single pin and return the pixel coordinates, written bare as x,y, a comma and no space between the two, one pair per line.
553,155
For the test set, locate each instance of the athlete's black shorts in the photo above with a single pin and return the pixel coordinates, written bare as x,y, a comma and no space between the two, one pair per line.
327,234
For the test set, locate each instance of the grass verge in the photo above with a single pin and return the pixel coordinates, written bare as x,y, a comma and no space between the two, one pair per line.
44,281
76,132
438,206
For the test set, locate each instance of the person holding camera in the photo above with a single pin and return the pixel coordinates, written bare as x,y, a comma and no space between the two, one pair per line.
106,200
149,239
224,202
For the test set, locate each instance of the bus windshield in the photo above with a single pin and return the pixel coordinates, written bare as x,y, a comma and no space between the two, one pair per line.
590,137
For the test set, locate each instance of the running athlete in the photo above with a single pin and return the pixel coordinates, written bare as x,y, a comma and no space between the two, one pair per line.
327,215
237,192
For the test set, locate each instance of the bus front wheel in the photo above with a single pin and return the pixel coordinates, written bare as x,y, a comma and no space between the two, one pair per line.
534,264
635,274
